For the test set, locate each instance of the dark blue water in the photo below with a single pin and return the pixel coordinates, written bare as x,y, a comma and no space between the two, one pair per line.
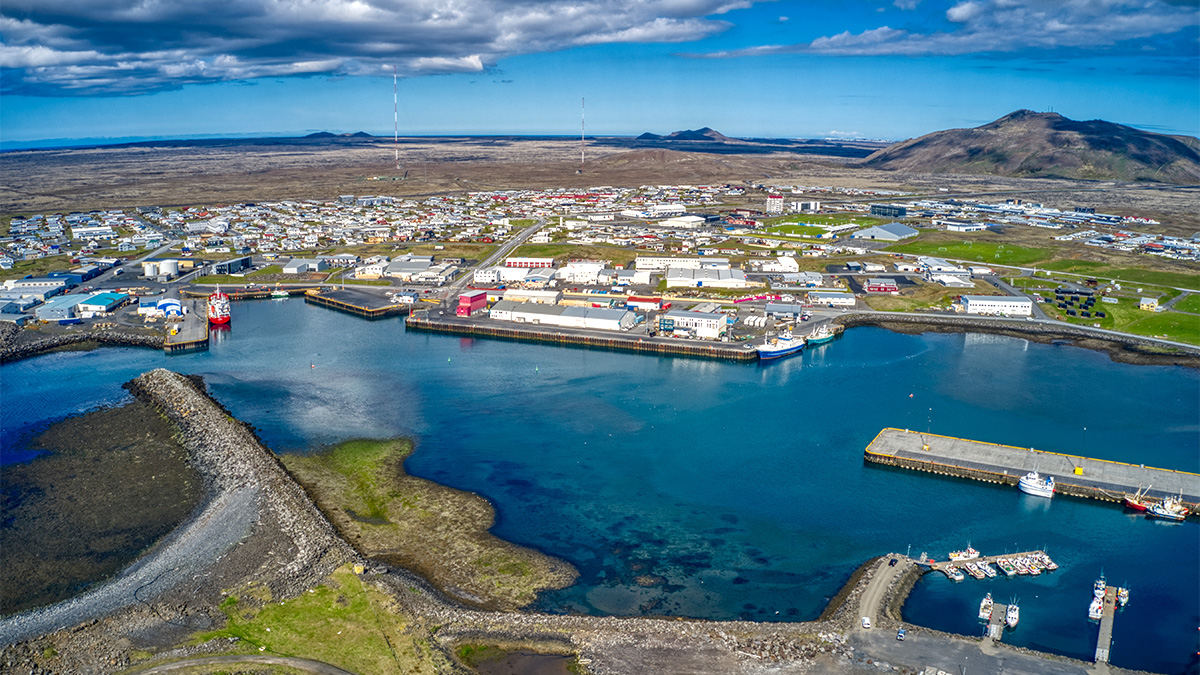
715,490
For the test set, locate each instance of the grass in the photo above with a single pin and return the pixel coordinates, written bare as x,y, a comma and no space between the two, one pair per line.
342,622
925,296
798,230
449,250
437,531
1191,303
1125,316
564,252
1126,274
831,219
984,252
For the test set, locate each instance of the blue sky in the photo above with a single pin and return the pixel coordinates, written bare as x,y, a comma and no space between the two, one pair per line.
73,69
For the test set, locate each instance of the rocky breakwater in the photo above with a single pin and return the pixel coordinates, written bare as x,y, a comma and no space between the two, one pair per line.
19,343
255,527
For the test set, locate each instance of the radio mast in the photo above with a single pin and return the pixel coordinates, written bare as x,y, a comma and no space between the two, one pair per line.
396,116
582,130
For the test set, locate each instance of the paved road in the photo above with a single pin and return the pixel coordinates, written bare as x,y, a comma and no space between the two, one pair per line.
456,287
299,664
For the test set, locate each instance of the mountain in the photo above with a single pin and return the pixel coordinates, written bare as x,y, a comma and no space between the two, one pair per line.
1047,145
702,135
326,134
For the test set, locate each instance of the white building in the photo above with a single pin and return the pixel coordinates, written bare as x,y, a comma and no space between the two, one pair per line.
1005,305
568,317
886,232
782,264
301,266
659,263
707,278
704,325
487,275
529,262
774,203
533,296
581,272
831,299
684,222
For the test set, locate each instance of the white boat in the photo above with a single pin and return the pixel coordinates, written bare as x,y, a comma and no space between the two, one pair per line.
1022,568
1013,616
985,608
1169,508
821,335
967,554
1006,566
1122,595
1045,559
1096,609
954,574
1033,484
1099,588
987,569
778,347
974,570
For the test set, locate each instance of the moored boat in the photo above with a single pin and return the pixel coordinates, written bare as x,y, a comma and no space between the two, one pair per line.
1096,609
966,554
953,573
1169,508
1099,588
1122,595
1137,501
778,347
218,307
821,335
1013,616
1006,566
985,608
1033,484
974,570
987,569
280,293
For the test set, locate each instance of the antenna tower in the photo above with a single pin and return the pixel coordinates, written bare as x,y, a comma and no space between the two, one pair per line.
582,130
396,116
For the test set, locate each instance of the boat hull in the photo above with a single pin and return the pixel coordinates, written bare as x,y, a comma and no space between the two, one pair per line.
1032,484
768,353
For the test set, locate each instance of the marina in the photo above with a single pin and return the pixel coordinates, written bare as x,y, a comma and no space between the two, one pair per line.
1072,475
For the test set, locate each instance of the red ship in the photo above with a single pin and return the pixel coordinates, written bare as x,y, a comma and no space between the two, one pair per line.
218,307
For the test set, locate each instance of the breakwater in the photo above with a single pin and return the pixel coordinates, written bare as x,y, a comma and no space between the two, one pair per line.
567,336
17,343
1076,476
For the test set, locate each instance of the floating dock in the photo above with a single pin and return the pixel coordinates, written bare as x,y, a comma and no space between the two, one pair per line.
581,337
1004,464
1109,615
995,629
358,303
190,334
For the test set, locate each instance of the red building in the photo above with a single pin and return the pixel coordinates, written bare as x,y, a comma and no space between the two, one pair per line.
471,302
884,285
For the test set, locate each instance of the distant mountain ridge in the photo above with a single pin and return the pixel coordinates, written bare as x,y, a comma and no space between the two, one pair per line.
326,134
703,134
1029,144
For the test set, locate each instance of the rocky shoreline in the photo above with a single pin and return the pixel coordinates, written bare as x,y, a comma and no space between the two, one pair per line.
1120,347
17,343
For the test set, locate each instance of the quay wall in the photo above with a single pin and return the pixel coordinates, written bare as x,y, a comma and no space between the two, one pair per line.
317,298
562,336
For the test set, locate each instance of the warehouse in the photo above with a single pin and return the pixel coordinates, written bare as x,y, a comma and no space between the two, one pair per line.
708,278
567,317
471,303
57,309
101,303
780,310
534,296
881,285
886,232
704,325
831,299
304,265
1005,305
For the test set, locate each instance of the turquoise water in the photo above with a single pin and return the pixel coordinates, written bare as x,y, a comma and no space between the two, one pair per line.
716,490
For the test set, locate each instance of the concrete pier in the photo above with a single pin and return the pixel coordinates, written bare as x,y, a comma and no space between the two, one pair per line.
1073,475
995,629
191,334
1109,615
357,302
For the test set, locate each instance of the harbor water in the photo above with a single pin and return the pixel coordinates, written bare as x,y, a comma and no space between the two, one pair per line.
717,490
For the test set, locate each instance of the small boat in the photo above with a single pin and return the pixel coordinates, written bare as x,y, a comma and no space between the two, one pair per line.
218,307
1096,609
1033,484
954,574
987,569
783,345
280,293
1013,616
1006,566
974,570
1122,595
985,608
1169,508
1022,568
1050,564
967,554
1100,587
821,335
1137,501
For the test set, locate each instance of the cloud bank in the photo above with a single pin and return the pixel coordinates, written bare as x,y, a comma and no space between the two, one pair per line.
1010,26
89,47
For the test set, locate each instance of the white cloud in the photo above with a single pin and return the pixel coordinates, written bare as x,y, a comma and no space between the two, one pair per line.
131,46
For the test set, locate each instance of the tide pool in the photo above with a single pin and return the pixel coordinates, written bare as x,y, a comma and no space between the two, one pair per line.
718,490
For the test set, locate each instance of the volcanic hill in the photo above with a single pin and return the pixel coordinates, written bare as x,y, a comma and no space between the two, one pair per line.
1027,144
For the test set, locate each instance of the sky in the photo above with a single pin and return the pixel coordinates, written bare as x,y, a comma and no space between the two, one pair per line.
885,69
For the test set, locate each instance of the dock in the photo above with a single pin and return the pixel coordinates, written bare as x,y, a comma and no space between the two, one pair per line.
1109,615
940,566
190,334
356,302
255,293
594,339
995,629
1076,476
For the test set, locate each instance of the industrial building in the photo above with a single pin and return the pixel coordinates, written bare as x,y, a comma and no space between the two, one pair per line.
831,299
886,232
781,310
232,266
881,285
305,265
529,262
57,309
704,325
568,317
533,296
101,303
708,278
660,263
471,302
1005,305
889,210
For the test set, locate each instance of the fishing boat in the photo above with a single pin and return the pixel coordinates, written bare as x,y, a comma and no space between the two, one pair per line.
966,554
1096,609
1013,616
280,293
1033,484
1099,588
1006,566
1169,508
1122,595
1047,561
985,608
953,573
1137,501
974,570
218,307
1022,568
821,335
987,569
785,344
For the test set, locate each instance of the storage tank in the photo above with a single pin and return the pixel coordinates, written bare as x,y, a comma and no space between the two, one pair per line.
169,268
149,269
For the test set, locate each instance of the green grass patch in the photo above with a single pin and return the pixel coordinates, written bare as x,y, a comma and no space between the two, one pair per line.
1124,275
341,622
1191,303
563,252
267,271
983,252
827,219
798,231
1124,316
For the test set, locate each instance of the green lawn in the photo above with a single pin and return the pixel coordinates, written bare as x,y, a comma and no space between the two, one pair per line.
798,230
1189,304
1127,274
1125,316
563,252
830,219
984,252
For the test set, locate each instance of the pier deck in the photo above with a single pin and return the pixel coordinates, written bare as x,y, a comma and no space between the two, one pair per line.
1104,642
995,629
354,301
191,333
938,566
1073,475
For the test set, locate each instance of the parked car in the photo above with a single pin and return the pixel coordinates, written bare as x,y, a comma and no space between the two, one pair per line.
866,622
900,635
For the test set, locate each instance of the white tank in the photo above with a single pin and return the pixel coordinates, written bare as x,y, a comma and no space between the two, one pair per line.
149,269
169,267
